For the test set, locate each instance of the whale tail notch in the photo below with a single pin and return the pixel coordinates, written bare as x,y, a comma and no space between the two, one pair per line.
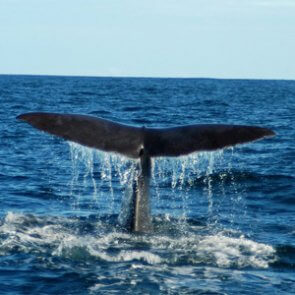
129,141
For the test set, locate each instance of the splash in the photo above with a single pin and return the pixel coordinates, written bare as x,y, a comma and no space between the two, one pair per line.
104,179
67,239
182,175
99,174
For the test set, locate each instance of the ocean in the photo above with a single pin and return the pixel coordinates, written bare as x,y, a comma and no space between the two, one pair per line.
224,221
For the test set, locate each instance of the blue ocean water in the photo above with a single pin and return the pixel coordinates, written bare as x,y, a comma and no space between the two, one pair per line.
224,221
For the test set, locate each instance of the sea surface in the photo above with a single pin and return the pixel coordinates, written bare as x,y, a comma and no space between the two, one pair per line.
224,221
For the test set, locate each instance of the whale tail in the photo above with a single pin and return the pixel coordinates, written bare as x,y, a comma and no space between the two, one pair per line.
130,141
143,143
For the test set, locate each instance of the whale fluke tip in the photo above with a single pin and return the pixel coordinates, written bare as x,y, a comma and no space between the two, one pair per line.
269,133
21,117
28,117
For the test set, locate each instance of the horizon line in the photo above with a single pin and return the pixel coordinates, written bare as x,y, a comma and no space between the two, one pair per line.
147,77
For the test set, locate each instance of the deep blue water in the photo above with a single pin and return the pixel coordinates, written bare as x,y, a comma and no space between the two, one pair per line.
224,221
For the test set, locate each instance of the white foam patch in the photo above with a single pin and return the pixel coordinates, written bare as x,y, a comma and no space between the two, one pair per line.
35,237
29,233
59,237
218,250
238,252
130,256
98,247
99,287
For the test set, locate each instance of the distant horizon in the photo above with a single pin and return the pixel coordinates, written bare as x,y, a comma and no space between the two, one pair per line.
147,77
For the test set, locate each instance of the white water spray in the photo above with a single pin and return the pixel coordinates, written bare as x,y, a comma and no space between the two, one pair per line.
105,178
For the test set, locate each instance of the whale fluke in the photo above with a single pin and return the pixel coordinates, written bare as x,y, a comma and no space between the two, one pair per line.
130,141
143,143
184,140
90,131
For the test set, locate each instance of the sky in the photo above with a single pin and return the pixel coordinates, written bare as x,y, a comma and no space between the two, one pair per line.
252,39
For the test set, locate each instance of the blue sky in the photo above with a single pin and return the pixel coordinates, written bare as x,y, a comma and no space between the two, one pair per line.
154,38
